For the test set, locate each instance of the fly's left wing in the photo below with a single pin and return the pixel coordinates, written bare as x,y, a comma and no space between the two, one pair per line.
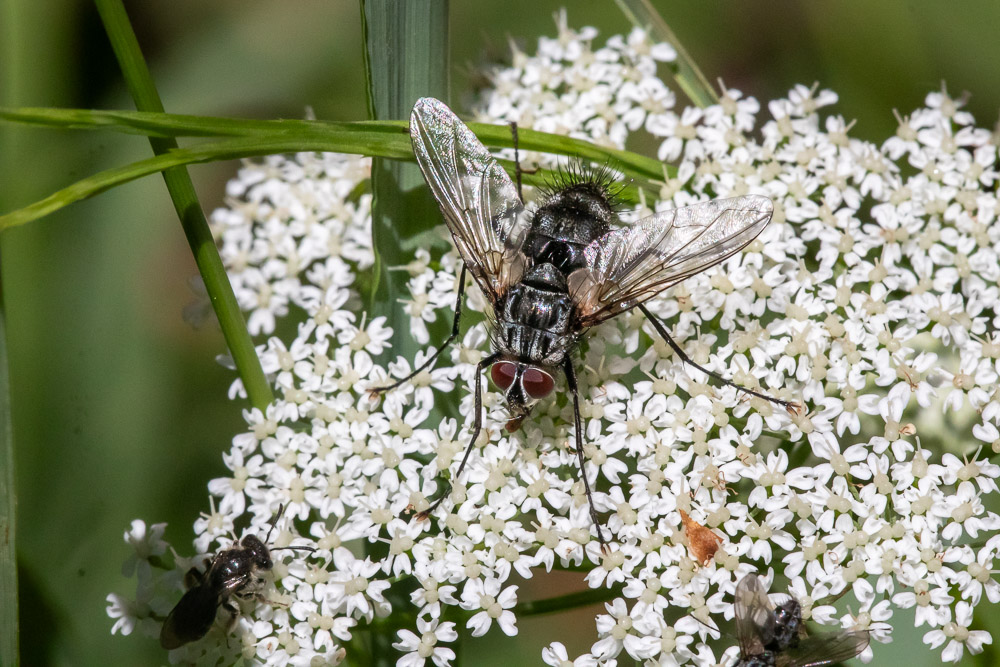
479,201
754,616
630,265
191,619
824,649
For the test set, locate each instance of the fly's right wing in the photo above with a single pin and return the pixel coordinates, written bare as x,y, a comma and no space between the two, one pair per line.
754,616
479,201
825,649
633,264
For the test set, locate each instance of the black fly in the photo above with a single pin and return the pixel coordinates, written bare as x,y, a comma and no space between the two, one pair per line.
231,573
772,636
553,272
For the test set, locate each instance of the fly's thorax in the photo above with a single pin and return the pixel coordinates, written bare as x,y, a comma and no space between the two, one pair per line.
580,211
560,237
535,325
787,624
230,569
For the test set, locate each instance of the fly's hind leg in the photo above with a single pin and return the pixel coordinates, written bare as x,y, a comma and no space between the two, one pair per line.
477,427
233,611
791,406
571,381
448,341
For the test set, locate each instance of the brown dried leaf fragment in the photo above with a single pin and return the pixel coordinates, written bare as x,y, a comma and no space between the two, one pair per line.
701,540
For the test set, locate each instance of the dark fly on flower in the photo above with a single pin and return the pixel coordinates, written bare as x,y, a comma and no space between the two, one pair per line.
772,636
230,573
554,271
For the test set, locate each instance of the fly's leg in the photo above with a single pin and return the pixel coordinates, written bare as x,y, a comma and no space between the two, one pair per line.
571,381
448,341
233,610
791,406
194,576
476,428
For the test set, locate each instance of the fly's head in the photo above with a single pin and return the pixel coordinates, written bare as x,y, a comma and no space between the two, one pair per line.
523,386
258,552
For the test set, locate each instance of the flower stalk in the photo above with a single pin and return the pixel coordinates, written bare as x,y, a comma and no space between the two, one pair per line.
185,200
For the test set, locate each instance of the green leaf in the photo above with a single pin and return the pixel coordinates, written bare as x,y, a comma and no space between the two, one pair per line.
406,58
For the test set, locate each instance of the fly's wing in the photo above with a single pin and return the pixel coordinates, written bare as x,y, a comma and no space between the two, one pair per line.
191,619
754,616
478,199
630,265
824,649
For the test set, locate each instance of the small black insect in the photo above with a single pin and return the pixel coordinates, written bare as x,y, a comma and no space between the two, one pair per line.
552,272
772,636
230,573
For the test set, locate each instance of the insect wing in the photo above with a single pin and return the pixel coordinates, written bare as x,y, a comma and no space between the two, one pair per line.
479,201
823,649
191,619
754,616
630,265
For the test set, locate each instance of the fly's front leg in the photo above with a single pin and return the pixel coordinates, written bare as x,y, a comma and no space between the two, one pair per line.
448,341
571,381
791,406
517,159
476,428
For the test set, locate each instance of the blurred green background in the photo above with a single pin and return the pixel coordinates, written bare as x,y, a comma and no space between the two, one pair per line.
120,409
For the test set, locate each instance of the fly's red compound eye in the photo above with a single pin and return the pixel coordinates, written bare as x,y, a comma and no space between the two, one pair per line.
537,383
503,374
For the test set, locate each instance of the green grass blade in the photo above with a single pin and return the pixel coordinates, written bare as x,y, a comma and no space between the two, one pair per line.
385,138
690,79
158,124
181,189
105,180
248,147
632,164
8,554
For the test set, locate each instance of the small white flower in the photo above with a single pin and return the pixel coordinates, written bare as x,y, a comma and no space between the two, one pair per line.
418,648
495,604
146,544
958,636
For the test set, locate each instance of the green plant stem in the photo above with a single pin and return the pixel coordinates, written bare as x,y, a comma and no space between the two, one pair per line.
179,185
568,601
690,79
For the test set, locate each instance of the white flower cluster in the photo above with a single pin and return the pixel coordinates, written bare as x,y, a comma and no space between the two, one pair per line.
871,299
